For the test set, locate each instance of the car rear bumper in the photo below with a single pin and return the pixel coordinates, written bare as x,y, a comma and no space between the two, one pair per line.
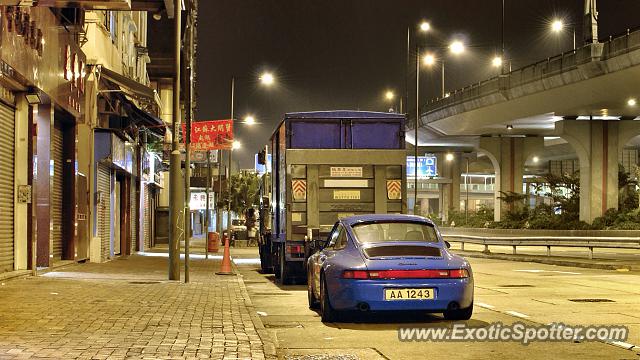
348,294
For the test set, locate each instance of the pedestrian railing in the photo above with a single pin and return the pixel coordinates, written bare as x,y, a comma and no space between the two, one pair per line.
588,242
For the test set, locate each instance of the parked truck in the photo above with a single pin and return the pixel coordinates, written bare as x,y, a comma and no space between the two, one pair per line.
326,165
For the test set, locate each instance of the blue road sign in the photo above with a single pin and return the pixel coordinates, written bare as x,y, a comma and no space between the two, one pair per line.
427,166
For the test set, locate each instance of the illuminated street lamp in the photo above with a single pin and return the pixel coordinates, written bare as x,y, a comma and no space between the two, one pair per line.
389,95
425,26
429,59
267,79
249,120
632,102
497,62
557,26
457,47
236,145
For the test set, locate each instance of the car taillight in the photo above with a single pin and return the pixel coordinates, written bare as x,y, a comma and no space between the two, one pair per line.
295,249
355,274
406,274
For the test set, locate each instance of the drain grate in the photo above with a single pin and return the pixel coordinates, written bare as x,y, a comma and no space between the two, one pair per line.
516,286
591,300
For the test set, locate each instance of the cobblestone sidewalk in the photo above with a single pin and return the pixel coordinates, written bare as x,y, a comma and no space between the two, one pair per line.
126,309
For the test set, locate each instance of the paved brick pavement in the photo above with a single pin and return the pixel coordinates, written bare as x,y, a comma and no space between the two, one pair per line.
127,309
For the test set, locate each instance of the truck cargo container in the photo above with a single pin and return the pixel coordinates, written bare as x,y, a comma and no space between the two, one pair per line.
327,165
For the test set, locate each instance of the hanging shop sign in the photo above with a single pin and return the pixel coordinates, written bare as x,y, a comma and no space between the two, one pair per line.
210,135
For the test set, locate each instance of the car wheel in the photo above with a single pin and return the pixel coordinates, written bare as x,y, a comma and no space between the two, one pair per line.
313,302
459,314
328,314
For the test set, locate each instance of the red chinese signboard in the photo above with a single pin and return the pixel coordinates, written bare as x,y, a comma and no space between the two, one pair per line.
210,135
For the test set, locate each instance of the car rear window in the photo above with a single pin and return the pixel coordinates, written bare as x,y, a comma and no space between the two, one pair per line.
376,232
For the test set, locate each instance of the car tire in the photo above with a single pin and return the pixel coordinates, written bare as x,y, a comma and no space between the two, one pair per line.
314,304
460,314
328,314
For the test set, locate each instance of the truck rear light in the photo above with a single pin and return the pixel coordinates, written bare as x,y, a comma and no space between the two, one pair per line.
295,249
405,274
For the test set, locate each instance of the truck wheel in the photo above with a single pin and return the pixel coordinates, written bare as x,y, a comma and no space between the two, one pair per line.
285,269
265,259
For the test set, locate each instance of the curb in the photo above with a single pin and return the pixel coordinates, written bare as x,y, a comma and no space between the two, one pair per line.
269,342
549,261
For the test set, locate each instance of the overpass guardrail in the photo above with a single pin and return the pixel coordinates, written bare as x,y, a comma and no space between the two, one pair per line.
588,239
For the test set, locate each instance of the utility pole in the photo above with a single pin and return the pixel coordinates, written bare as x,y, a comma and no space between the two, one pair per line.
233,92
176,204
191,24
219,211
415,135
207,211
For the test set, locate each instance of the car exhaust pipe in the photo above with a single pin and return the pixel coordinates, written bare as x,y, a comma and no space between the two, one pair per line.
453,306
363,306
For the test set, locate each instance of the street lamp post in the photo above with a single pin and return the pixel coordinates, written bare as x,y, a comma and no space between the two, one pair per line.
558,25
266,79
424,27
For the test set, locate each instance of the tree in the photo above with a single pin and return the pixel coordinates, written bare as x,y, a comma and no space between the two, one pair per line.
245,193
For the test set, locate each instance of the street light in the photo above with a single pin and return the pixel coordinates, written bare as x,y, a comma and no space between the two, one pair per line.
389,95
429,59
424,27
457,47
267,79
558,26
632,102
449,157
249,120
497,62
236,145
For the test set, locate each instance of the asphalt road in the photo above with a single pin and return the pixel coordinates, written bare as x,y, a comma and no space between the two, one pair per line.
506,292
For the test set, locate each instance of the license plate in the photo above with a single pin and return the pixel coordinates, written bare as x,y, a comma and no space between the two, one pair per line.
408,294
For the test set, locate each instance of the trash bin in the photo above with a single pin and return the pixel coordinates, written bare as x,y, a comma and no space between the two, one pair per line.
213,241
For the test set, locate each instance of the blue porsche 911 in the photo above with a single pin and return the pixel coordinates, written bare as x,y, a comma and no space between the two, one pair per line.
388,263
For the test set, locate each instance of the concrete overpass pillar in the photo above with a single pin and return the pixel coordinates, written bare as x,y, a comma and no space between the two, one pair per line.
597,143
508,155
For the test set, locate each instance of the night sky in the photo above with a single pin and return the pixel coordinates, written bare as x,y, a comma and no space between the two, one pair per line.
344,54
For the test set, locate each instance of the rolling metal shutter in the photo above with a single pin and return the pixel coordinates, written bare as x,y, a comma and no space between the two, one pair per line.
104,209
133,219
7,123
56,193
147,217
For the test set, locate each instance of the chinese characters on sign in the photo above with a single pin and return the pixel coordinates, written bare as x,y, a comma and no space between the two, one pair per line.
427,166
346,171
210,135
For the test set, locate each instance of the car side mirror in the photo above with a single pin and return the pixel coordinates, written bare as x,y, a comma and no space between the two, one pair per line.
448,244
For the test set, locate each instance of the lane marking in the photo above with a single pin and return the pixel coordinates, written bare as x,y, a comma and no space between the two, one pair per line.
535,271
517,314
261,313
621,344
486,306
250,261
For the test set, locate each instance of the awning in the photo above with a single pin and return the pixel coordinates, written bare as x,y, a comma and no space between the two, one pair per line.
142,118
129,84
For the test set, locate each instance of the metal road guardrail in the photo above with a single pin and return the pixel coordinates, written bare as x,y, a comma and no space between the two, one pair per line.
589,242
